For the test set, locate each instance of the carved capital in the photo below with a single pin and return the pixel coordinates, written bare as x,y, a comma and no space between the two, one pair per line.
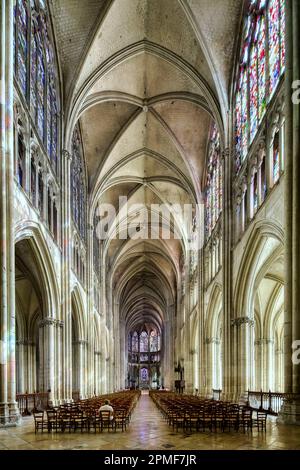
225,154
48,321
212,340
24,342
263,341
66,154
242,321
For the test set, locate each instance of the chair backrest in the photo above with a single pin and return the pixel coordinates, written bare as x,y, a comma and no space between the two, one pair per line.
38,415
105,415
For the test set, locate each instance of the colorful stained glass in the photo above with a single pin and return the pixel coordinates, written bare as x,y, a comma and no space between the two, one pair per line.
282,36
255,193
144,343
274,45
78,184
238,129
276,158
244,115
40,92
261,54
135,342
264,20
21,44
144,374
153,341
213,181
33,75
253,93
31,21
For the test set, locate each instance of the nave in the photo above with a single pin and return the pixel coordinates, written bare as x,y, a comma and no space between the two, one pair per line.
148,430
149,168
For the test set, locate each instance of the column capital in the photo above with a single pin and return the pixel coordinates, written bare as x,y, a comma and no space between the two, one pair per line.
48,321
81,342
262,341
242,321
66,154
212,340
225,154
24,342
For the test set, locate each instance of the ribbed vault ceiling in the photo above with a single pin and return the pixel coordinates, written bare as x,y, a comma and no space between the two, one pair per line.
146,78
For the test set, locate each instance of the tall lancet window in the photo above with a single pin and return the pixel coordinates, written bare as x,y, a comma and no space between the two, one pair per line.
262,62
78,184
36,71
213,181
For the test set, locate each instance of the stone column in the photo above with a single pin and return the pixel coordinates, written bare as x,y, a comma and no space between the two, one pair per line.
91,307
47,345
258,354
9,413
58,356
32,378
123,356
20,369
243,355
65,284
80,371
290,412
227,304
279,360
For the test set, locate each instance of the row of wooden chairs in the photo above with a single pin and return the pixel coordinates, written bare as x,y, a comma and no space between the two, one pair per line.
189,412
84,415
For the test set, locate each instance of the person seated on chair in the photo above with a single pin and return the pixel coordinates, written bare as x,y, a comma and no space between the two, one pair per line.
107,407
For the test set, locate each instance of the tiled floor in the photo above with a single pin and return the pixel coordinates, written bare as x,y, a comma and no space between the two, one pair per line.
148,430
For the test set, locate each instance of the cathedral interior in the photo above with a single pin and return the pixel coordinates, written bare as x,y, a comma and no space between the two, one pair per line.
150,218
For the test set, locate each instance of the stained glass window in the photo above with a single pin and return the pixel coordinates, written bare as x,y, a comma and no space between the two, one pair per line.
214,181
153,341
144,374
282,36
35,63
276,158
96,247
263,38
21,44
255,193
21,159
244,115
274,44
144,342
135,342
78,188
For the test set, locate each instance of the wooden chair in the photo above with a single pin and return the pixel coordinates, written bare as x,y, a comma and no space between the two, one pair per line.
120,419
53,421
105,420
246,419
260,421
39,421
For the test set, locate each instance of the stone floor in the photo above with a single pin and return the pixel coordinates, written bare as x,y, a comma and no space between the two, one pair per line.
149,431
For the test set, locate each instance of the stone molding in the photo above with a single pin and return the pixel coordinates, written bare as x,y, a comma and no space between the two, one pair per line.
66,154
261,341
242,321
48,321
212,341
24,342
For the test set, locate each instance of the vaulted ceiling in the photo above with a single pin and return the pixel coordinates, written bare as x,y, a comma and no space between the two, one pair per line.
146,78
